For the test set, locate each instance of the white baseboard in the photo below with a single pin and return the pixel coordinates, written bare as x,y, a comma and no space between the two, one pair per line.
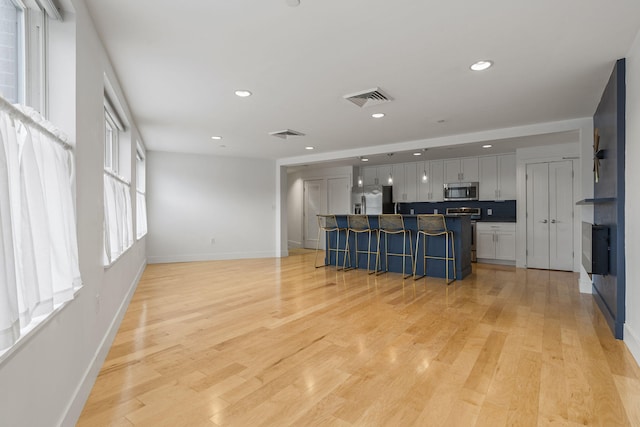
585,285
293,244
164,259
73,411
632,340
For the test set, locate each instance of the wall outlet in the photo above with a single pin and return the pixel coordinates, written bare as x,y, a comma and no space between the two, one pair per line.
489,212
435,211
411,211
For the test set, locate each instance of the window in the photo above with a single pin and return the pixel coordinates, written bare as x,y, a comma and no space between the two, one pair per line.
23,40
141,200
38,246
118,216
111,133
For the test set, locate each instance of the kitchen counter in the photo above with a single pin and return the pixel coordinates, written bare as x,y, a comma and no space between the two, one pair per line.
460,225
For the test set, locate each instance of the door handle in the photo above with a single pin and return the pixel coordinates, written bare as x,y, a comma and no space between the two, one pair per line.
544,221
553,221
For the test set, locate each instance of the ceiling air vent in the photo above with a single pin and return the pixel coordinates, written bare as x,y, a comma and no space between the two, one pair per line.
368,98
284,134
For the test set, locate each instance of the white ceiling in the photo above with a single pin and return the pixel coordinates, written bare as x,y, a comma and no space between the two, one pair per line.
179,64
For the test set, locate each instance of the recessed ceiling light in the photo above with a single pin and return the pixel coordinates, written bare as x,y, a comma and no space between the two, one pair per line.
417,154
487,146
364,159
243,93
223,146
377,115
309,148
481,65
216,137
441,121
293,3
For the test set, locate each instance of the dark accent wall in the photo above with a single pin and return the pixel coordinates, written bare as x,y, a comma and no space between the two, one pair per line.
504,211
609,119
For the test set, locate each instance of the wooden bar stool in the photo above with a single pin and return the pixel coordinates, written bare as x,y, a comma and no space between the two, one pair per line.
433,226
329,224
359,224
393,225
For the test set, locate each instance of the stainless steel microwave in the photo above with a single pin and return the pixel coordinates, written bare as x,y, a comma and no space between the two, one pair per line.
461,191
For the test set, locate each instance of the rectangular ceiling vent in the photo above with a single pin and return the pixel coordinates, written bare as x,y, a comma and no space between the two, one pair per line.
368,98
284,134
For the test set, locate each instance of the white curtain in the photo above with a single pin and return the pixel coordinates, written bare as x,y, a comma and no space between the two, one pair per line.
141,214
118,217
38,244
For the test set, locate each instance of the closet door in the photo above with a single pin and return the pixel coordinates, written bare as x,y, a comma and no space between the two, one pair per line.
550,215
538,215
561,216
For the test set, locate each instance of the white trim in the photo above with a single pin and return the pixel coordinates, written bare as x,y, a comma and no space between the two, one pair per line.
632,341
81,394
223,256
584,283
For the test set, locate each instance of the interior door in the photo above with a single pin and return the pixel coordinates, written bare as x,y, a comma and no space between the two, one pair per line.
314,204
538,215
550,215
561,215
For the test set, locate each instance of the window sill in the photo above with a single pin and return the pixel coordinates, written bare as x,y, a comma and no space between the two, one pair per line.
32,329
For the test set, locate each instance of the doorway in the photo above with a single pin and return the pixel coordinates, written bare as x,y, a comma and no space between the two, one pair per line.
550,215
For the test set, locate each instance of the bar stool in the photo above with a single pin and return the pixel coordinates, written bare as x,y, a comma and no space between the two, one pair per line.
432,226
359,224
392,225
329,224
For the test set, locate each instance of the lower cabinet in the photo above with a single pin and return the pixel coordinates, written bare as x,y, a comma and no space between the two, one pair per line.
496,241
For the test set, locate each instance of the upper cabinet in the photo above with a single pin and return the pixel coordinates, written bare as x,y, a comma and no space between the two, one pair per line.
430,181
461,170
377,175
498,177
405,182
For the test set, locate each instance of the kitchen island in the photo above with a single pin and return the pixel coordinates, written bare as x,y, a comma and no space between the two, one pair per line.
460,225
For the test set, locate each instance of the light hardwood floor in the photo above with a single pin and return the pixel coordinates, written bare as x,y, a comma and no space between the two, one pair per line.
276,342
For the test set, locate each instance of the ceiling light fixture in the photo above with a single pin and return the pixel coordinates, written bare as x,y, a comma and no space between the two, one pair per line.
487,146
377,115
364,159
417,154
309,148
243,93
481,65
424,176
216,137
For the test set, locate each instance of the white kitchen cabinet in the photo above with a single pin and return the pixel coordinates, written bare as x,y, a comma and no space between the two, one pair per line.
496,241
376,175
497,177
461,170
405,182
430,181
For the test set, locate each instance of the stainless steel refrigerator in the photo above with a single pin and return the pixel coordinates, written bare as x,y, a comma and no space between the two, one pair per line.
372,200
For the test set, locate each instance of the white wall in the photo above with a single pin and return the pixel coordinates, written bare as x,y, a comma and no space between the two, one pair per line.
632,207
295,198
192,199
47,378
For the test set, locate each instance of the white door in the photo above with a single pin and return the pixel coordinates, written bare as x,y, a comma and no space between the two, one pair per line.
314,204
538,215
550,215
561,216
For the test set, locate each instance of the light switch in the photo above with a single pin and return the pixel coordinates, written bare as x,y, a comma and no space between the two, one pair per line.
489,212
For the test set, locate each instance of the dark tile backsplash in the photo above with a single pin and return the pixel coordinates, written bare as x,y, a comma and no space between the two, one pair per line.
502,211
